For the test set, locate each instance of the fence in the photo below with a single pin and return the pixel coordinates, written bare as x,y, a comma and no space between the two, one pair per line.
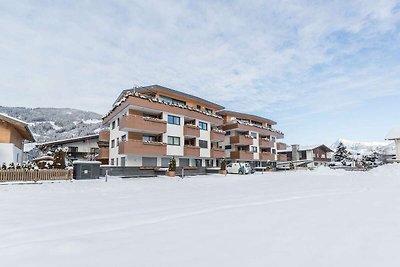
34,175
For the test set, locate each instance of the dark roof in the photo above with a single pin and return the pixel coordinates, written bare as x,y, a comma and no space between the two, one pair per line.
167,90
230,112
69,140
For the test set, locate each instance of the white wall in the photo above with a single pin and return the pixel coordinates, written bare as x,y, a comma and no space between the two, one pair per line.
114,134
397,142
10,153
174,130
206,136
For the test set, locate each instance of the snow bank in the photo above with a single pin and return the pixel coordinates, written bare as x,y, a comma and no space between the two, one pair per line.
297,218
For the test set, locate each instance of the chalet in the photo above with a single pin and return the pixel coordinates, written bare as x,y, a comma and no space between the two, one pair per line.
13,134
318,154
78,148
394,135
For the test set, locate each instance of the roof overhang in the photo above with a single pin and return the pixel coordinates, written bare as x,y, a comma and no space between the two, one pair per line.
21,126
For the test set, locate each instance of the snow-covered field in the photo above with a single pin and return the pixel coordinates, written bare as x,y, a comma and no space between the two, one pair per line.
300,218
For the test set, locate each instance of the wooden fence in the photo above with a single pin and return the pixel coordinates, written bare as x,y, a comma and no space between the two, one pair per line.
34,175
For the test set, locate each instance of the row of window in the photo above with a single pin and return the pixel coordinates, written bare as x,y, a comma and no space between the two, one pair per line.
115,142
115,162
176,141
177,121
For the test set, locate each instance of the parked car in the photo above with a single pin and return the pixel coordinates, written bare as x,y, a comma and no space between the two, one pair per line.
239,168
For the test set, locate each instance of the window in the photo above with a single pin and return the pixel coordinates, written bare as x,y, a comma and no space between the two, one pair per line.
174,140
273,138
198,107
149,138
123,161
254,135
112,162
203,125
118,122
274,151
169,100
123,138
198,162
203,143
209,110
228,133
228,147
116,162
73,149
118,141
94,150
113,125
174,120
254,149
112,143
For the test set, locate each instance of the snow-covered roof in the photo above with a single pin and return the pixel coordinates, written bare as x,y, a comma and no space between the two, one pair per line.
305,148
393,134
20,125
69,140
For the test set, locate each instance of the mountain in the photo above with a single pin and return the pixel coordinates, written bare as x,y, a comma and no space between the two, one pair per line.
366,148
56,123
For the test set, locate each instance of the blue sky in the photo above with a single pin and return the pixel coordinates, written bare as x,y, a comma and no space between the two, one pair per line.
321,69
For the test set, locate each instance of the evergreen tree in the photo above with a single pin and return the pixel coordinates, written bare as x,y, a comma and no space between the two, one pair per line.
59,159
341,153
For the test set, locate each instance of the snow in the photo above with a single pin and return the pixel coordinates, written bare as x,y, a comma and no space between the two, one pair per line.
92,121
366,148
297,218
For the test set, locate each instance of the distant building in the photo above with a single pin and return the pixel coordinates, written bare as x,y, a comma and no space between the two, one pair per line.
79,148
318,154
13,133
394,135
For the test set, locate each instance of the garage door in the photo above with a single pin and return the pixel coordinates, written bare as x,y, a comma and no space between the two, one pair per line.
149,162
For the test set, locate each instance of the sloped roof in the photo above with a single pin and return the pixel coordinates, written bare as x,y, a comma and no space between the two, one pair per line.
393,134
167,90
307,147
255,117
69,140
21,126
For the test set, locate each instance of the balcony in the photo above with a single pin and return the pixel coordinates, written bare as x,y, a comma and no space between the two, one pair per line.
104,136
217,153
282,157
192,151
217,136
191,130
104,153
253,128
241,140
136,123
267,156
142,148
241,154
266,143
280,146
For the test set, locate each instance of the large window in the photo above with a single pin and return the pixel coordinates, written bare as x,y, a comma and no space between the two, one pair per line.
113,125
174,140
228,147
203,143
174,120
123,138
254,149
254,135
112,143
169,100
94,150
203,125
149,138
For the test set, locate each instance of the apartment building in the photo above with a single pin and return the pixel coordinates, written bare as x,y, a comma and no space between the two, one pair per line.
13,133
150,125
250,138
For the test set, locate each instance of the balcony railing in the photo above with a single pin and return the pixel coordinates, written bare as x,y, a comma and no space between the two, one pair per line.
142,124
142,148
217,153
280,146
241,140
282,157
244,155
191,130
104,153
192,151
217,136
267,156
266,143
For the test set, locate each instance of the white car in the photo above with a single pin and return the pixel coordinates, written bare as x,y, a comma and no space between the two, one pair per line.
239,168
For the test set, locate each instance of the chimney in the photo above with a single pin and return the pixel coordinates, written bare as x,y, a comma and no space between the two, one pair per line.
295,152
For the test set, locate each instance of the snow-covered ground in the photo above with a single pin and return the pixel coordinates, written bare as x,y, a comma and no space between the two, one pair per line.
299,218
